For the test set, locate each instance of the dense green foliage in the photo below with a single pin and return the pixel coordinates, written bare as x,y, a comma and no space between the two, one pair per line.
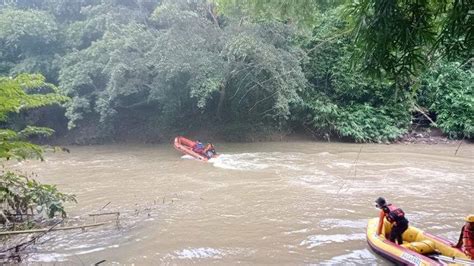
341,101
449,92
19,194
151,69
182,66
401,38
25,40
18,94
393,37
397,43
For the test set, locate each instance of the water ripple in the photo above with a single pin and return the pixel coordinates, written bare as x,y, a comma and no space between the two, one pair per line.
319,240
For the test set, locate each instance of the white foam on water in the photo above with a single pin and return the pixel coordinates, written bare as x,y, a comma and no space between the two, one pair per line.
355,257
188,157
52,257
199,253
324,154
79,247
279,162
242,161
315,178
319,240
262,160
441,227
304,230
90,251
341,223
319,181
342,165
431,174
453,236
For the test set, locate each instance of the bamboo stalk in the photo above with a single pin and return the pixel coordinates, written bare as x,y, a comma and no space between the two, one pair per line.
459,146
417,108
53,229
104,213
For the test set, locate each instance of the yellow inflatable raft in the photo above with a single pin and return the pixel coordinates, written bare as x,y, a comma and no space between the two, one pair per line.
419,248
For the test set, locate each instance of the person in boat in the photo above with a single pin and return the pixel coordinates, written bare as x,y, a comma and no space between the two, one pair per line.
466,239
395,216
198,147
209,150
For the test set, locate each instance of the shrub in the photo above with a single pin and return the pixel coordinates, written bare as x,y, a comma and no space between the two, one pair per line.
448,91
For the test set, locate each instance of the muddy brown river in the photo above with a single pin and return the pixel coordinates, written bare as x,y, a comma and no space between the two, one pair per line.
288,203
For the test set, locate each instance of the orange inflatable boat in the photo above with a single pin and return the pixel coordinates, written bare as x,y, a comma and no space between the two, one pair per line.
418,248
185,146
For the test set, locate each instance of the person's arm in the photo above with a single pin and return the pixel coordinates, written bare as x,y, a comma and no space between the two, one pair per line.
459,244
381,217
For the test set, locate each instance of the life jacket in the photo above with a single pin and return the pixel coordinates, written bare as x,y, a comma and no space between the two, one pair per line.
394,214
209,151
468,241
198,147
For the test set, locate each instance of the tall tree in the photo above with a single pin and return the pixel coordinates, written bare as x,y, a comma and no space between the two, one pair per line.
394,37
29,40
109,74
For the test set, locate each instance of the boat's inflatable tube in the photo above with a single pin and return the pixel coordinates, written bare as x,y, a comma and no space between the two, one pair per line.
185,146
419,248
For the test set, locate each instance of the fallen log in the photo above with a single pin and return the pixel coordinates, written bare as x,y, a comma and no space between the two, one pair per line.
32,231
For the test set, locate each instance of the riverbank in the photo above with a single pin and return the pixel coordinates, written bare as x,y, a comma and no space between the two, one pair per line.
427,136
87,136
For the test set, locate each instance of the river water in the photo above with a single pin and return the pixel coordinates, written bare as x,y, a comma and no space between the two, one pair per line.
259,203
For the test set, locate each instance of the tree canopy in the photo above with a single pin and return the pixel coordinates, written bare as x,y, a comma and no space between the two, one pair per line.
154,68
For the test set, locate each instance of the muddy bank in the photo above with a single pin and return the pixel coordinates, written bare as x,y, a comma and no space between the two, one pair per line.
428,136
92,136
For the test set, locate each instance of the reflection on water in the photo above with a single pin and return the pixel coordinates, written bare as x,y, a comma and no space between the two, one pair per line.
283,203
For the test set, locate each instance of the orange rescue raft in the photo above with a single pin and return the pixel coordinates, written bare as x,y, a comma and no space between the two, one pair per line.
185,146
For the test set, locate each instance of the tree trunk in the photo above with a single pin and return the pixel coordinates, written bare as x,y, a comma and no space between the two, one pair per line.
221,101
211,12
